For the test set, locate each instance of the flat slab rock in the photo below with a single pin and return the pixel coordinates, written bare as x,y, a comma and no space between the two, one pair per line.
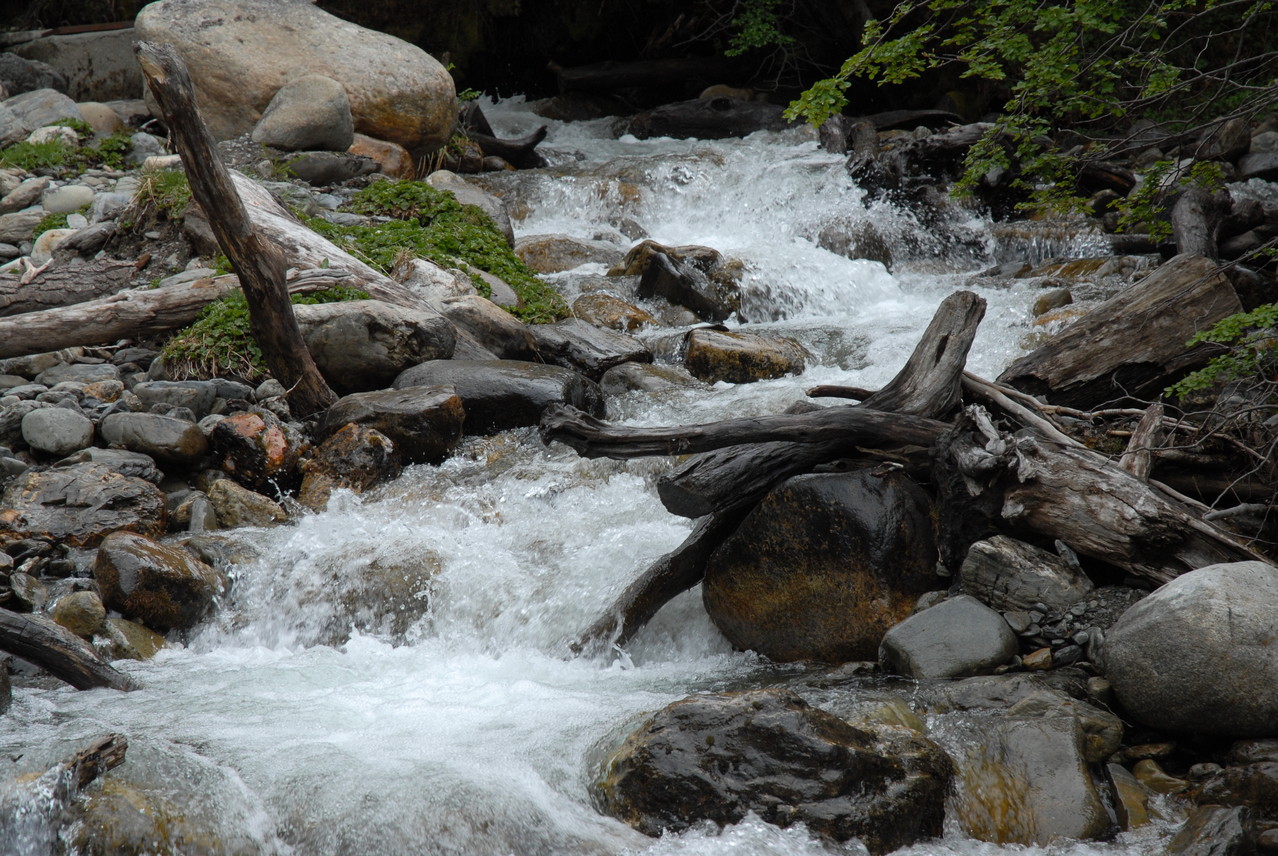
79,505
503,394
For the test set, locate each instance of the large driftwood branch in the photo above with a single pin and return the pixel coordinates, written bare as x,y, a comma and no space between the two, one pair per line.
58,651
64,284
671,575
130,314
259,263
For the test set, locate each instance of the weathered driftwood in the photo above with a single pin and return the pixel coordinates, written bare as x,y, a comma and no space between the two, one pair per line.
58,651
1195,220
520,152
51,791
105,753
671,575
64,284
1133,345
257,261
130,313
1138,459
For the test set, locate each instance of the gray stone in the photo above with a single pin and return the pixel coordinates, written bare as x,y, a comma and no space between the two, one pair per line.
468,194
25,195
424,422
80,612
57,430
1263,165
108,206
145,146
576,344
1102,730
20,225
236,505
555,253
502,394
78,372
957,638
41,107
240,52
1007,574
1214,830
64,200
491,327
132,464
1198,656
198,396
1265,141
325,168
310,112
164,438
644,377
79,505
98,66
18,74
361,345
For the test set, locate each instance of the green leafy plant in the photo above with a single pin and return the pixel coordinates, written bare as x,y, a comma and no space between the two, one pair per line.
219,343
757,24
34,156
166,190
431,224
1146,206
57,156
1251,343
49,221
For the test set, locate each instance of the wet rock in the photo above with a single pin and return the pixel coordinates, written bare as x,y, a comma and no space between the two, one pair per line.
162,587
1131,798
236,505
355,458
1197,656
423,422
717,757
605,310
310,112
194,513
1102,730
57,430
1252,751
1262,165
555,253
11,421
134,464
6,689
957,638
128,640
164,438
1252,785
502,394
360,345
257,449
575,344
1151,774
1024,780
1214,830
492,327
644,377
706,119
240,52
738,357
823,566
120,818
28,593
79,505
1007,574
80,612
704,286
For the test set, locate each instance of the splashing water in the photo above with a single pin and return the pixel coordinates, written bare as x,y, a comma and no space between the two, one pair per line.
390,676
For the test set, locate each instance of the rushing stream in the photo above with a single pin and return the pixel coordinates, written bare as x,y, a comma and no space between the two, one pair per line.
303,721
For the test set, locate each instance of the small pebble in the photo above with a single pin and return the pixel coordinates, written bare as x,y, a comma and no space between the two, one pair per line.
1038,660
1068,655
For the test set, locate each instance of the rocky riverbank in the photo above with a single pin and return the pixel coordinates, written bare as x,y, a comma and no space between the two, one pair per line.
125,463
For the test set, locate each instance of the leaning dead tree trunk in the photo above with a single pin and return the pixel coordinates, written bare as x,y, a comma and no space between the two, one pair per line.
58,651
259,264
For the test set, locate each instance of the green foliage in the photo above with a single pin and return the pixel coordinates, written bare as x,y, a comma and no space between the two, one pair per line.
1146,206
431,224
49,221
1250,339
58,157
1094,64
219,343
757,25
166,190
34,156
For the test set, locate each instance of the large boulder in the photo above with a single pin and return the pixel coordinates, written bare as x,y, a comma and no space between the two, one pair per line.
79,505
360,345
423,422
164,588
718,757
823,566
1200,654
257,449
308,112
502,394
241,52
737,356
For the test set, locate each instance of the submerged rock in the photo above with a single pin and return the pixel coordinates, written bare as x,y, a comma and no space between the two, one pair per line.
823,566
717,757
162,587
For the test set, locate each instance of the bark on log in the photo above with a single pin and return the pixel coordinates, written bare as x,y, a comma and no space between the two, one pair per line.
64,284
58,651
259,263
1132,345
130,313
1195,222
671,575
1138,459
105,753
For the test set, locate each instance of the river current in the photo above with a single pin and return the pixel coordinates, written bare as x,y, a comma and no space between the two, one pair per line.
300,722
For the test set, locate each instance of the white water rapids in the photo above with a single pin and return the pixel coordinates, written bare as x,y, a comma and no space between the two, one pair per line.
468,730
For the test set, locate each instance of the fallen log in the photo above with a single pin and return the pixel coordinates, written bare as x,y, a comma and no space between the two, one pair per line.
521,152
58,651
259,264
64,284
130,313
669,576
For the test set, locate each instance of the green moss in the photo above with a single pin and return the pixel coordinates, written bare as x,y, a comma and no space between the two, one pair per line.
164,190
50,221
218,343
109,152
34,156
432,225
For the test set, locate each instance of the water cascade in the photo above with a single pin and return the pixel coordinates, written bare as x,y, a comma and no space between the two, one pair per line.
391,676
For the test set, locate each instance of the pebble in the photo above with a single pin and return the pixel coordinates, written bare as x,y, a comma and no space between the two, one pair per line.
1155,778
1038,660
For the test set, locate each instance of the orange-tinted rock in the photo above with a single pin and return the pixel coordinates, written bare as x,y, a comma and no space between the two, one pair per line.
604,310
256,449
739,357
392,159
355,458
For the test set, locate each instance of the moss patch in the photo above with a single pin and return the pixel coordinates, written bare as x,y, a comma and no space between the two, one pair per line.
218,343
431,224
63,160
